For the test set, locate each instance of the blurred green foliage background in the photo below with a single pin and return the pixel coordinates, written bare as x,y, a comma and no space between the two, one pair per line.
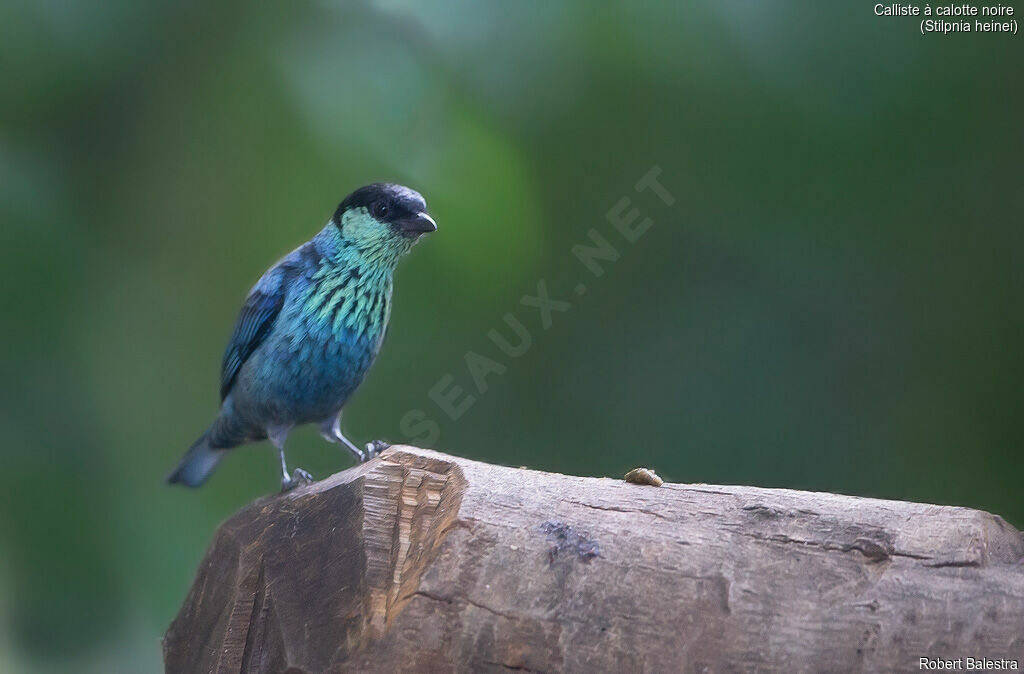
832,303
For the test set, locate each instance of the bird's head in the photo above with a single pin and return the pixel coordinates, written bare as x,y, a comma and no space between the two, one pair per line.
383,220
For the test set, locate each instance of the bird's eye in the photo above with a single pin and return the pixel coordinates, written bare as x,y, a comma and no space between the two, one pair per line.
380,210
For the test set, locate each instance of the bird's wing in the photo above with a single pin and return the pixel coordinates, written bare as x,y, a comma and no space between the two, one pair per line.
254,322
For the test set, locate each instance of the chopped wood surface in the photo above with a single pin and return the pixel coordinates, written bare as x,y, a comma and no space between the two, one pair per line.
420,561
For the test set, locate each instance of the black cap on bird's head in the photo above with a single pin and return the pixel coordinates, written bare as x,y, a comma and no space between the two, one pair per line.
400,207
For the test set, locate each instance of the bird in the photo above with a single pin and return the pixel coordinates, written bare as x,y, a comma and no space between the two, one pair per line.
309,330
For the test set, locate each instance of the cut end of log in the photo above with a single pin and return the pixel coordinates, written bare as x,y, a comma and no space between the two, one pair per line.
331,562
422,561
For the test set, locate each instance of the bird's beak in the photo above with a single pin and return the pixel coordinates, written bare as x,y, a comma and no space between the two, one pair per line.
421,223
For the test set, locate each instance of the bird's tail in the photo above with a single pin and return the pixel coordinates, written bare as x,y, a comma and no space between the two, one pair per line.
198,463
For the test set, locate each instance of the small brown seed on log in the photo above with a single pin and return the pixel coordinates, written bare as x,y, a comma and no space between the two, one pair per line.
644,476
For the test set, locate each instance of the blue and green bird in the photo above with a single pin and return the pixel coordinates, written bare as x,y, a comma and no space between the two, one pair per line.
309,330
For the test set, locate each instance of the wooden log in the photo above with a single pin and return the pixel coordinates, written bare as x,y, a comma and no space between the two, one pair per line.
419,561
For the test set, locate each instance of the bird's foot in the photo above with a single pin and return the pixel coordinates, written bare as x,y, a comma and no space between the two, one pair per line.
375,447
299,477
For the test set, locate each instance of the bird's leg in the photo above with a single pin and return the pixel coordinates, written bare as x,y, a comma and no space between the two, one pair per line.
331,430
278,435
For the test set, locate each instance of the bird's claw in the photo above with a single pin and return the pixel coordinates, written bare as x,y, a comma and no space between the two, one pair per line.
375,447
299,477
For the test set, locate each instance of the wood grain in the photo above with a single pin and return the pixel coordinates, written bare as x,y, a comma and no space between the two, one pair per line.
420,561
